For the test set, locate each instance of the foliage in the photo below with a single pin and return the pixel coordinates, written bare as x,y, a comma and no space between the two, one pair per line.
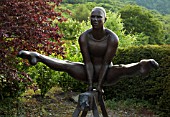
160,5
29,24
114,23
84,1
12,85
25,25
113,6
44,77
66,81
140,27
166,20
81,13
157,23
31,104
141,39
144,89
154,87
71,29
9,107
58,104
140,20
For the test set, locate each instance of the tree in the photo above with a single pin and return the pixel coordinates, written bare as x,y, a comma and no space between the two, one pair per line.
26,25
166,19
72,29
137,19
114,23
160,5
81,13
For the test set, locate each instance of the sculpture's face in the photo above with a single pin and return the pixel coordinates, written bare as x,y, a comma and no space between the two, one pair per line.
97,19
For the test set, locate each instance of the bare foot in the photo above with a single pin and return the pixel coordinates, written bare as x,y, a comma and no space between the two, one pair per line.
31,56
147,65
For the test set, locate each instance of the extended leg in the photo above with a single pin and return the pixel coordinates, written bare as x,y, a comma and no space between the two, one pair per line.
74,69
116,72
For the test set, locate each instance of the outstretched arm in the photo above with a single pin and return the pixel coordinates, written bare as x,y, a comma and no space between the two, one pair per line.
110,53
86,58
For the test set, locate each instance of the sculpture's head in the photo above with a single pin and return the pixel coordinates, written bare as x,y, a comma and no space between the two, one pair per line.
98,17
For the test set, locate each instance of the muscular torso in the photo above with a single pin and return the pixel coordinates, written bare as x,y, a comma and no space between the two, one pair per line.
97,49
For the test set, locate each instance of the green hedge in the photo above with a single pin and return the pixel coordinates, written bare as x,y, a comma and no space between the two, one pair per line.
154,88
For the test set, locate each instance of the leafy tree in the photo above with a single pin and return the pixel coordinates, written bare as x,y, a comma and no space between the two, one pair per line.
114,23
81,12
166,19
72,29
163,6
25,25
84,1
137,19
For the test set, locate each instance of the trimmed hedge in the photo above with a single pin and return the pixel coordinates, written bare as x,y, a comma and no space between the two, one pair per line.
154,88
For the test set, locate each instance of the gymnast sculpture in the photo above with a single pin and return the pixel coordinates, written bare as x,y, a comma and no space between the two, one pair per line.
98,47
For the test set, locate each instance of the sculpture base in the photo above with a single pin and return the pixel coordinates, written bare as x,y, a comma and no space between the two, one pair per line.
88,101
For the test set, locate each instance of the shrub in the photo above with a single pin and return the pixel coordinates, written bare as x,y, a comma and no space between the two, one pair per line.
26,26
154,87
12,84
44,77
66,81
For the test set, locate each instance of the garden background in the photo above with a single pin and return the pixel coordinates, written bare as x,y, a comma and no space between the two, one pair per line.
52,27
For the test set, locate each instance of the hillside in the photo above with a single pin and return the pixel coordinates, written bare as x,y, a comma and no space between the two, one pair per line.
162,6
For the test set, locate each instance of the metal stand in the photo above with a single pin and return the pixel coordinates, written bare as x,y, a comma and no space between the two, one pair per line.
87,102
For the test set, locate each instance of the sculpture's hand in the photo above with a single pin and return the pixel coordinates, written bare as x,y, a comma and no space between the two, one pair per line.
31,56
100,90
90,88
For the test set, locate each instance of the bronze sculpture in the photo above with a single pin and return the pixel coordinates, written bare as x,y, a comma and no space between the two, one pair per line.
98,47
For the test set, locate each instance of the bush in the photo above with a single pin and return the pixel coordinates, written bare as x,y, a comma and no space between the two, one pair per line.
26,26
13,85
44,77
154,87
66,81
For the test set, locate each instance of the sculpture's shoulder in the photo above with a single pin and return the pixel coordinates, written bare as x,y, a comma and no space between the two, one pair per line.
113,36
83,37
